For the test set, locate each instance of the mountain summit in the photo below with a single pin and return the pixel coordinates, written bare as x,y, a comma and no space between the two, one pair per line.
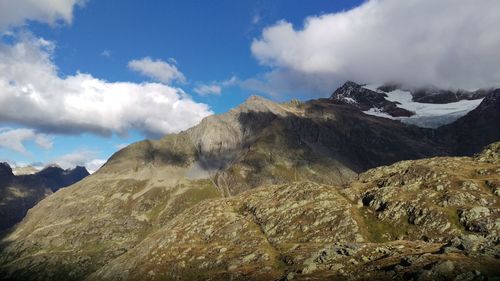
365,99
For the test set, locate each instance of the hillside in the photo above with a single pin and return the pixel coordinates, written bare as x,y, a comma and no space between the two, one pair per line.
434,218
430,219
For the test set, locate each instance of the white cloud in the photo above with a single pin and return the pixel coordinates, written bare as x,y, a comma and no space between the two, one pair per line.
157,70
208,89
17,12
15,139
448,43
32,94
106,53
82,157
256,18
215,88
283,83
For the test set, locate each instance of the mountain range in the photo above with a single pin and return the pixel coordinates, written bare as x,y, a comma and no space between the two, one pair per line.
21,190
279,191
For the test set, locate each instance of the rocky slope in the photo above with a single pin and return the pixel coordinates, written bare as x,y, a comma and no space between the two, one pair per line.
18,193
429,219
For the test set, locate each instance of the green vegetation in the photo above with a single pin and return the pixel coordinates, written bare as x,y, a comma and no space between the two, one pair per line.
379,231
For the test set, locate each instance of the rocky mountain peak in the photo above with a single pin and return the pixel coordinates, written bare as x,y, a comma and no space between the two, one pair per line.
259,104
79,170
5,170
219,138
491,101
349,90
435,95
364,99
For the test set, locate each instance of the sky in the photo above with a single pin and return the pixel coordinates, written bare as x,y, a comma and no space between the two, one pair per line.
81,79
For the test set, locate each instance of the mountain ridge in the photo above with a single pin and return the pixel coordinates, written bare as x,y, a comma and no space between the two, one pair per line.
21,192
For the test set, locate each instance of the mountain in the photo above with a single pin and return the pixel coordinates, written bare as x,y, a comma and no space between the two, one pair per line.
366,99
260,192
478,128
26,170
427,107
435,95
21,192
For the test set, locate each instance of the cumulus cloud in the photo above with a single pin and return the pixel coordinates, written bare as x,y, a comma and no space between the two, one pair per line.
32,94
157,70
82,157
448,43
17,12
15,139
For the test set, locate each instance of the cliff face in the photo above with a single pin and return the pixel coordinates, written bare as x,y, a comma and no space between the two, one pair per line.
20,193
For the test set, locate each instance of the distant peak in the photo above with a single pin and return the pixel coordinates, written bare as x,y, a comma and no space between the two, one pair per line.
347,90
52,165
79,169
256,99
351,84
260,104
5,169
493,97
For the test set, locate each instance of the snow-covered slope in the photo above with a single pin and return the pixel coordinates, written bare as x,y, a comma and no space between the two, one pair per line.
427,115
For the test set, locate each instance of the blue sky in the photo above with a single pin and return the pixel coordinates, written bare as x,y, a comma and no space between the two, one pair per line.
68,63
209,41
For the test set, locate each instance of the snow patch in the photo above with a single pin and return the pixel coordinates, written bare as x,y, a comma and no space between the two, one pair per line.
349,100
427,115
